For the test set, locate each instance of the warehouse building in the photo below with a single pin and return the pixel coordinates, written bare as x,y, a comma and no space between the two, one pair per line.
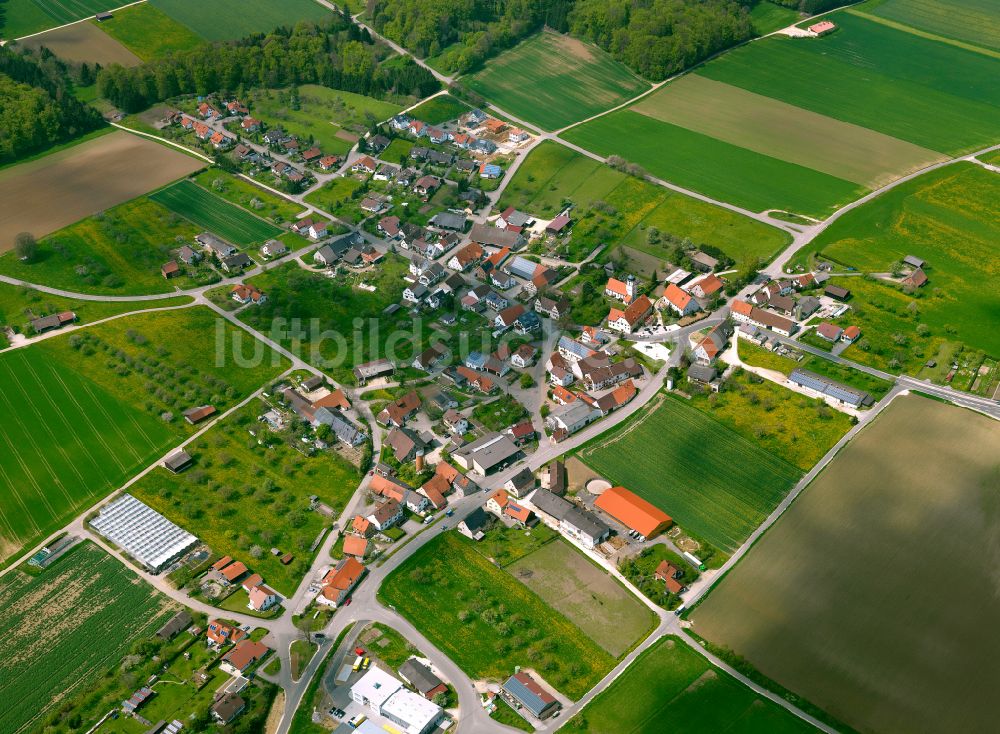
386,696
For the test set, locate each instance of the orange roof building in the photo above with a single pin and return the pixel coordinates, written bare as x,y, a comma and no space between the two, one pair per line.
634,512
355,546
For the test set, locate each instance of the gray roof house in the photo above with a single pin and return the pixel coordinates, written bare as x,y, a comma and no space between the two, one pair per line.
572,521
421,678
475,524
487,454
449,220
525,691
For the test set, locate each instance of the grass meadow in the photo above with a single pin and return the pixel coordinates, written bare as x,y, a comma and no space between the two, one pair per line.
331,118
240,494
148,32
950,218
670,687
487,621
596,602
117,252
553,174
66,627
780,130
971,21
834,601
244,194
208,211
442,108
767,17
712,481
712,167
335,197
223,20
552,80
928,93
66,442
21,17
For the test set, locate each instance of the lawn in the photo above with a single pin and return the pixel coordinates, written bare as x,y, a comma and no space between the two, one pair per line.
488,622
672,688
833,601
149,32
19,305
223,20
210,212
94,175
712,167
66,443
436,110
553,174
964,20
244,194
21,17
336,197
713,482
791,426
331,118
68,626
260,495
786,132
591,598
552,80
950,218
928,93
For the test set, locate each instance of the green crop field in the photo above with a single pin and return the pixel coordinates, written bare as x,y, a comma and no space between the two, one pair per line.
972,21
441,108
553,173
487,621
951,219
713,482
331,118
833,601
590,598
149,32
241,192
65,442
767,17
270,504
791,426
928,93
222,20
672,688
118,251
780,130
21,17
552,81
208,211
721,170
66,627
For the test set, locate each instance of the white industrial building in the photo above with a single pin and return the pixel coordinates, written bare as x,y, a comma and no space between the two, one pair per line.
386,696
142,532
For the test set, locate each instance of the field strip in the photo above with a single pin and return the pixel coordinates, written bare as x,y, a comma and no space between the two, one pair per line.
81,20
13,532
45,425
114,424
925,34
62,417
784,131
86,416
27,473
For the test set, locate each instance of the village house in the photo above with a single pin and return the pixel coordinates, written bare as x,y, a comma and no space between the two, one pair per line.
239,659
386,514
246,294
274,248
744,313
829,332
669,575
340,581
523,356
632,317
397,412
456,422
364,164
572,521
714,343
466,258
262,598
680,302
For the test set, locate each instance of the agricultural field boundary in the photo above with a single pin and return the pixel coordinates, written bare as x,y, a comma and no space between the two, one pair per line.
74,22
896,25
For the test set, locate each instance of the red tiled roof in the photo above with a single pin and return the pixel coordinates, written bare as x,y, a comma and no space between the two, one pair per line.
741,307
234,570
676,296
355,546
345,575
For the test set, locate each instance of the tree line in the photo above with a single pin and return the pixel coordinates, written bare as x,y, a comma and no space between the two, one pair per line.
37,106
335,53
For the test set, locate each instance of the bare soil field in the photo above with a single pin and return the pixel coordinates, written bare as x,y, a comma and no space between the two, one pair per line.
83,42
55,191
876,595
781,130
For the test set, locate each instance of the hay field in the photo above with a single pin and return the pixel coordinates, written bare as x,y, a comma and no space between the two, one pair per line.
149,32
223,20
876,595
64,443
780,130
570,582
670,688
215,214
928,93
84,179
553,80
972,21
83,42
67,627
713,482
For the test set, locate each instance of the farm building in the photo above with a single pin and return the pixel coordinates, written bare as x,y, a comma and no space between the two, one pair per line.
422,678
142,532
522,689
633,512
824,385
371,370
488,454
